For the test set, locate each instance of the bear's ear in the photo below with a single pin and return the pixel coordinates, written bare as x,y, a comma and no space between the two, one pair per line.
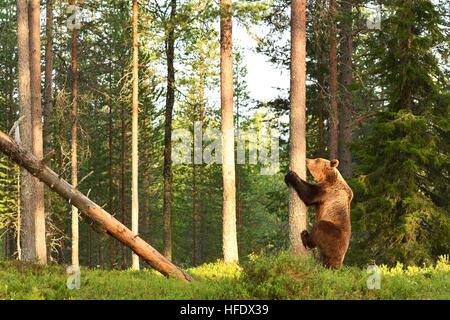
334,163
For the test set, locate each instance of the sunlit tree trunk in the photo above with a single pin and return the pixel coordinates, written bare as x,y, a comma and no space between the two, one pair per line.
297,151
229,236
74,144
27,181
36,119
134,130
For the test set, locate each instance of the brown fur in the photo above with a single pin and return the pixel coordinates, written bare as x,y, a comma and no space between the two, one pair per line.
331,196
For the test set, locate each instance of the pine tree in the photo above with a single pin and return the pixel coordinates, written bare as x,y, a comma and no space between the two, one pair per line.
402,208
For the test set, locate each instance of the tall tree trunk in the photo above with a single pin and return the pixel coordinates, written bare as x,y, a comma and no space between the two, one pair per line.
201,100
135,131
74,144
27,181
194,202
147,204
345,129
123,164
48,91
170,101
194,189
36,119
320,81
198,116
112,244
229,236
48,107
239,211
334,112
297,151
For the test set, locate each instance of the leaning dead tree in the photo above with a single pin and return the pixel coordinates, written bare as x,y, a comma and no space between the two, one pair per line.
102,218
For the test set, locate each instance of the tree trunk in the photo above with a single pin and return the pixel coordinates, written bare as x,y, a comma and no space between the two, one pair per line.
48,98
36,119
229,237
123,172
74,144
334,113
320,82
134,130
112,244
239,211
194,204
297,151
102,218
345,129
27,194
201,100
170,101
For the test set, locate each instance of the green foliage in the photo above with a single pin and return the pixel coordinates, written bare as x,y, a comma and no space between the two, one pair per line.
401,210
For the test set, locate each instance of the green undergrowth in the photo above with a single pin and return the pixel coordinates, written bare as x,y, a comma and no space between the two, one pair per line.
279,276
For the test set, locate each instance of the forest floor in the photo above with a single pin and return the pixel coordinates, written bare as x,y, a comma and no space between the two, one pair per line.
267,277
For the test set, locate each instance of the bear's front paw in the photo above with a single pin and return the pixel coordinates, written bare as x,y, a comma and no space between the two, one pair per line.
290,178
305,235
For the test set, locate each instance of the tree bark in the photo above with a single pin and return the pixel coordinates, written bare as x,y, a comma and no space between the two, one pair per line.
27,181
36,120
345,130
123,167
320,81
297,151
105,221
333,118
48,86
194,205
134,130
229,237
199,242
170,101
74,144
112,245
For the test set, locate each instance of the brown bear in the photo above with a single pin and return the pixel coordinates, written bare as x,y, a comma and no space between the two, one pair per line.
331,196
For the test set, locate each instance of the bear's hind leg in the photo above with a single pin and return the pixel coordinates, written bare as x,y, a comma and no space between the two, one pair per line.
328,238
331,262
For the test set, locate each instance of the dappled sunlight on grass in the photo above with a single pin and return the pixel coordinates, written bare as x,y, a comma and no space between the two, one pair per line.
216,270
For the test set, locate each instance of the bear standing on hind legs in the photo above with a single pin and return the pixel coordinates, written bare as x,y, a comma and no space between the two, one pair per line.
331,196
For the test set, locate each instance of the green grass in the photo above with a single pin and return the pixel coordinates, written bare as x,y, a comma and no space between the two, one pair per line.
267,277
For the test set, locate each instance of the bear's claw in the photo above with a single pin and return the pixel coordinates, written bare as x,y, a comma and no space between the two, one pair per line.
290,178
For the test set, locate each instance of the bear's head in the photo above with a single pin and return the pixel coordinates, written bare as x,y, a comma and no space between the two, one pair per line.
322,169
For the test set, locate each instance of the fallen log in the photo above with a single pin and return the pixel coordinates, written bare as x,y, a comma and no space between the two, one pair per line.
112,226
